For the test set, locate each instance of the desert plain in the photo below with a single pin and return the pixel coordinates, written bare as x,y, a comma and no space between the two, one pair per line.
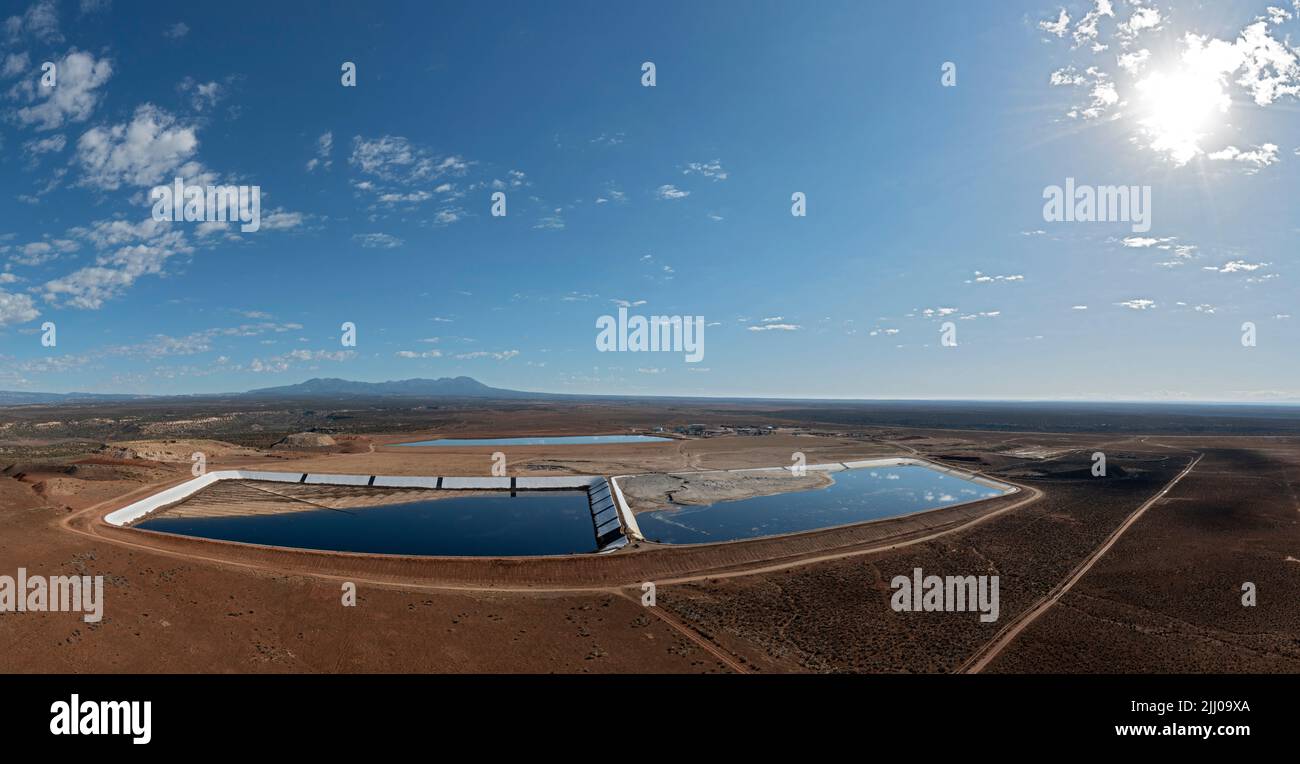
1139,571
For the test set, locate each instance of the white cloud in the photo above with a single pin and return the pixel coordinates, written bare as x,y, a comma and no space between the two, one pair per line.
104,234
40,21
203,95
324,149
16,308
41,252
403,172
1280,15
1255,159
87,7
1138,304
412,197
1236,266
1086,30
550,222
14,64
1144,241
775,327
114,272
448,215
127,252
395,159
38,146
504,355
144,152
984,278
74,98
1104,96
1058,27
707,169
1066,76
1173,99
669,191
1134,62
176,31
1102,92
60,364
1182,252
612,193
281,363
1269,68
1143,19
514,179
281,220
378,240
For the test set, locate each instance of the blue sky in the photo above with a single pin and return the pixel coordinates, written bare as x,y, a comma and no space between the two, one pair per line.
924,202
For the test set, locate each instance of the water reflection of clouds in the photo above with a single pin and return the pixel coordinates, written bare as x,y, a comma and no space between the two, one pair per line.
855,495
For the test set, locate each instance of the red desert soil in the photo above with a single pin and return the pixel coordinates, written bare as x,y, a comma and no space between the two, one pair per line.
810,602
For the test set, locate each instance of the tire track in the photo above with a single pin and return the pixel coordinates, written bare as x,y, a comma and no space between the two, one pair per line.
690,634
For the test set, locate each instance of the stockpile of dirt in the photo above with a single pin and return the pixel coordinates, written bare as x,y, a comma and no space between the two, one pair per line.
174,450
305,441
646,493
55,487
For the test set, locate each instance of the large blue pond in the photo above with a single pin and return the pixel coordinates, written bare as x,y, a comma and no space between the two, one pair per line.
856,496
530,523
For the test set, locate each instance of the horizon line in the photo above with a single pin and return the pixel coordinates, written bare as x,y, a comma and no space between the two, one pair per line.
1287,402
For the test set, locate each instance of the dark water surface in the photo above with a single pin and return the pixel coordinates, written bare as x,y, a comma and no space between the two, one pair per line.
530,523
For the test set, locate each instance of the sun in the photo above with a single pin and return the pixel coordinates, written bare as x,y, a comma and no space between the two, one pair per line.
1178,108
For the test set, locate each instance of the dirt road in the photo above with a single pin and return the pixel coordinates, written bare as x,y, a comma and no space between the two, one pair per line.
983,657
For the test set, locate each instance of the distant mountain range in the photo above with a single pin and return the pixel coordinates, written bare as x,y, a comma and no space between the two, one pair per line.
444,387
20,398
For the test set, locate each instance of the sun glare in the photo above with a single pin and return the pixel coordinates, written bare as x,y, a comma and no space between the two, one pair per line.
1179,108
